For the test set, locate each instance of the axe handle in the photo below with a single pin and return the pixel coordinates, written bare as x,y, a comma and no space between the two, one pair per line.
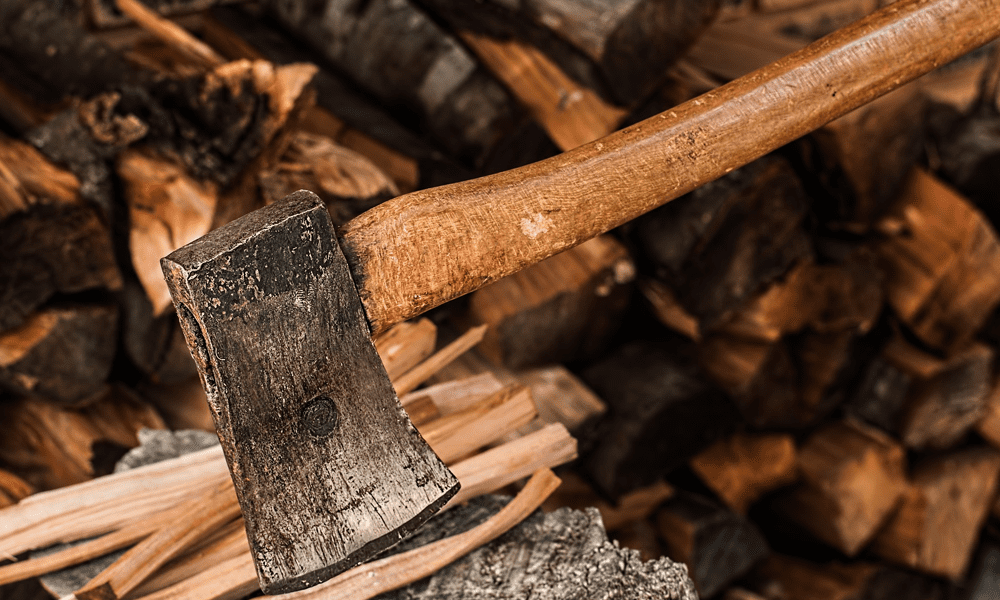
422,249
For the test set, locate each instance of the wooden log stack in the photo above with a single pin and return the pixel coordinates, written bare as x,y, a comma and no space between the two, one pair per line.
786,379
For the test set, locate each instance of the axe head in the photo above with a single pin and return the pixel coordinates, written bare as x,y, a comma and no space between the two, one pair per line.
328,469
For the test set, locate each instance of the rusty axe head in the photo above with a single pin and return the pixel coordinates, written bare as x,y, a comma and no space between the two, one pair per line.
327,466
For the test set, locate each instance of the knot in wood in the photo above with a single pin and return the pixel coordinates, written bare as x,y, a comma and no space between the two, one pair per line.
320,416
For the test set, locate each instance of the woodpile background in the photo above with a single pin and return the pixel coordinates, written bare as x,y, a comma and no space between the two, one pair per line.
786,380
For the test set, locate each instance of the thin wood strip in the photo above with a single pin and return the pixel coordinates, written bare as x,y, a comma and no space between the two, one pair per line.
393,572
493,469
459,434
229,580
192,521
171,33
418,374
459,394
107,503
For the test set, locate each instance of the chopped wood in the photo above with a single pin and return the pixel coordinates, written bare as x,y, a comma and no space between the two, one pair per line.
169,32
717,545
745,466
167,209
460,433
53,445
632,508
182,405
793,578
62,353
941,263
623,48
52,240
571,114
110,13
561,309
853,477
191,520
452,396
12,488
562,398
661,413
668,309
347,182
989,425
231,543
936,526
407,382
406,345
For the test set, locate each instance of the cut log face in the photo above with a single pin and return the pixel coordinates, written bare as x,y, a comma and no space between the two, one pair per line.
717,545
559,310
561,555
790,577
660,413
853,477
743,467
63,354
943,278
936,526
52,241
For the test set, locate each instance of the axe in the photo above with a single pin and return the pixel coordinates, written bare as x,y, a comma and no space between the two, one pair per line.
279,309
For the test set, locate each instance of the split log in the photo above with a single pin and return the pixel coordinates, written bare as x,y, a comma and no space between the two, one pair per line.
660,414
347,182
559,310
927,401
106,13
53,446
941,263
60,353
563,554
853,478
936,526
414,67
989,425
717,545
623,48
562,398
723,243
743,467
634,507
12,488
789,578
406,345
53,242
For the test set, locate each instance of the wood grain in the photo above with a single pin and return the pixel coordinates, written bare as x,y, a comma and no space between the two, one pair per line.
468,234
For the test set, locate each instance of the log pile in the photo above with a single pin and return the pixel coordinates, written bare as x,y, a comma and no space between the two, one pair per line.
785,380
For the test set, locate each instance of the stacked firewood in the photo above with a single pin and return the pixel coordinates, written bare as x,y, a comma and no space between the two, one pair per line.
784,380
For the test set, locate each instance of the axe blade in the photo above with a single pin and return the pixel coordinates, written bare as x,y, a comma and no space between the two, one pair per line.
327,467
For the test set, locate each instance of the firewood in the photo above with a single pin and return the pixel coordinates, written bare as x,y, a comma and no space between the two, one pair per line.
989,425
452,396
52,444
52,240
940,261
816,19
571,114
668,309
936,526
562,398
347,181
561,309
109,13
167,209
853,478
12,488
984,578
230,542
175,35
743,467
624,48
409,381
790,578
660,414
634,507
62,353
928,402
717,545
457,104
342,113
406,345
721,244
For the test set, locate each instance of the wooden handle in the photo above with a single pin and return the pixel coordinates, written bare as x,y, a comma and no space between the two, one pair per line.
422,249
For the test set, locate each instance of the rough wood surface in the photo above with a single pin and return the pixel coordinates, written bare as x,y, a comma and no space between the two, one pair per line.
717,545
853,477
743,467
309,415
544,208
938,521
562,309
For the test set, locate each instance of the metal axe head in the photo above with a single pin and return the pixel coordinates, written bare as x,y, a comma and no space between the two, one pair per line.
328,468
